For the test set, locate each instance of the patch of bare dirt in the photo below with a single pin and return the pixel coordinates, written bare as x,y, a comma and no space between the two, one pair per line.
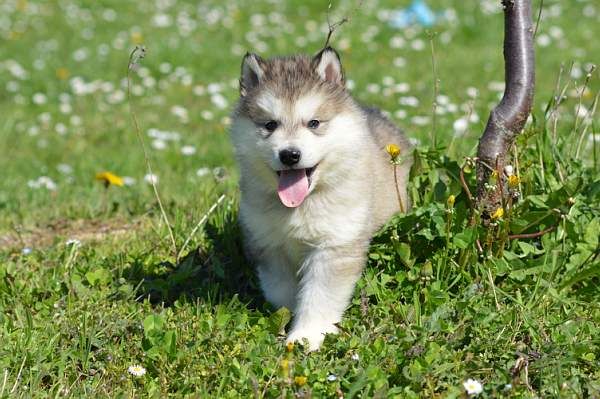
89,230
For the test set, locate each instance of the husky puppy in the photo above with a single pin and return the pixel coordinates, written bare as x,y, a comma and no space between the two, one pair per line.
316,183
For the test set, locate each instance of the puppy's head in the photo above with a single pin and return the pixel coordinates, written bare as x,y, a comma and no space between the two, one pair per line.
295,120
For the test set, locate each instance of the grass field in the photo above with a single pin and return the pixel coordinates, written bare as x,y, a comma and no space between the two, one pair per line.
89,285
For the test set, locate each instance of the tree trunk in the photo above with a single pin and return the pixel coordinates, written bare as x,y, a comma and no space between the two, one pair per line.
508,118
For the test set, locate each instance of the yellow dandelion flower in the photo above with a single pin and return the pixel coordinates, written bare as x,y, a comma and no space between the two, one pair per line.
14,35
285,368
137,37
498,213
62,73
393,150
300,380
450,201
427,270
285,364
22,5
289,346
109,179
513,181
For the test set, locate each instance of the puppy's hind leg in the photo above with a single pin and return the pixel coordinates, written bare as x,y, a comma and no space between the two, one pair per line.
326,286
277,280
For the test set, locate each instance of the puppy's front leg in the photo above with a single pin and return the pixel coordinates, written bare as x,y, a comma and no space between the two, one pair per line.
327,282
277,280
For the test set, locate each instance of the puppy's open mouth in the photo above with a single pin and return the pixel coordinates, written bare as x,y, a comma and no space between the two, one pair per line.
294,185
308,171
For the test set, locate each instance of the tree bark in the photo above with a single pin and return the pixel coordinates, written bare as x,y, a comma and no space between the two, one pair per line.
508,118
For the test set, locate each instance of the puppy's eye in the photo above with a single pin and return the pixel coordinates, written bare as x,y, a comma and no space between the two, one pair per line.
271,126
313,124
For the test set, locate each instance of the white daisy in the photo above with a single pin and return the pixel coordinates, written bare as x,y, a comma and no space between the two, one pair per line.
60,128
43,181
64,168
151,178
202,172
418,44
128,180
188,150
39,98
399,62
199,90
219,101
543,40
400,114
162,20
136,370
207,115
75,120
65,108
460,126
420,120
159,144
473,387
472,92
180,112
409,101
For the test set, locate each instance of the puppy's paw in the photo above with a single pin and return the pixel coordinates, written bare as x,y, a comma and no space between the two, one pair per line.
314,334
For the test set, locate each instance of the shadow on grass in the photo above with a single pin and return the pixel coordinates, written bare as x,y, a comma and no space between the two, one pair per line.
214,274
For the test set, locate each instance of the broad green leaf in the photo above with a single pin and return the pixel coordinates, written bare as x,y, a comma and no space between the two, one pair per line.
152,323
591,272
592,231
528,249
465,238
279,319
403,250
99,276
538,200
170,343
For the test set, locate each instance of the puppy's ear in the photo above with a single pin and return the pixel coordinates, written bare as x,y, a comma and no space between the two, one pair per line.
252,73
328,66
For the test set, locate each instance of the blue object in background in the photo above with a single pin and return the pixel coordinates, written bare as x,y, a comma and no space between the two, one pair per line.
417,13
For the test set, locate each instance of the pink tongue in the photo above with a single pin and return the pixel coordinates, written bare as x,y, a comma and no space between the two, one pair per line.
293,187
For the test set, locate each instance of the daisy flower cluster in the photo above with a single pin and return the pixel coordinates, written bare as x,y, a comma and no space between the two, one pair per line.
52,88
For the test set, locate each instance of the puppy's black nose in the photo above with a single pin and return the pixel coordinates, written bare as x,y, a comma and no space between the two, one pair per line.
289,156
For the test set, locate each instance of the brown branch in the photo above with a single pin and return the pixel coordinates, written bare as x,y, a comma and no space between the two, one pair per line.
508,118
339,23
479,247
332,29
465,187
532,235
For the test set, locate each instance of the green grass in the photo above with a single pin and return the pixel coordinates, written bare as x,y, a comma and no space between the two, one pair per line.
430,311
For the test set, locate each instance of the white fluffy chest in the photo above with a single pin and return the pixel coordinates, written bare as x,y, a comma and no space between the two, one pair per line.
319,222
